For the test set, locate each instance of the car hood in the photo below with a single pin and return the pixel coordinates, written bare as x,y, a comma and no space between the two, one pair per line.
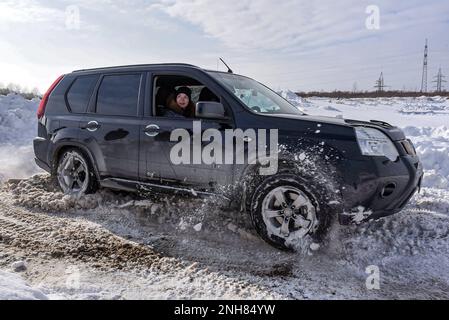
391,131
307,117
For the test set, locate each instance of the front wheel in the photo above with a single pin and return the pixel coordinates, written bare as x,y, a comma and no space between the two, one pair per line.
286,210
74,174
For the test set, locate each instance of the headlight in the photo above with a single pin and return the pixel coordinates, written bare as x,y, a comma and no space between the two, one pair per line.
374,142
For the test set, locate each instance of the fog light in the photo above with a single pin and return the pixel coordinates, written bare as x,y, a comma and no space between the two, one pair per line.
388,190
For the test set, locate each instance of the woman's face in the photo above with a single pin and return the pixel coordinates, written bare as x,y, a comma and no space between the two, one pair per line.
182,100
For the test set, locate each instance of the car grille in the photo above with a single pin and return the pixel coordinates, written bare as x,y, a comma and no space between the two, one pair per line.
408,147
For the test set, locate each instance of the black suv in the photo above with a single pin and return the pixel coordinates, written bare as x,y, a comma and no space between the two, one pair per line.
106,127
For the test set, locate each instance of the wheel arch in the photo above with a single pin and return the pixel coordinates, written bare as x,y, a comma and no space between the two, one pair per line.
322,173
65,145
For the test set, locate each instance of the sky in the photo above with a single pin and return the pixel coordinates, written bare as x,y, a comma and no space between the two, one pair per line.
299,45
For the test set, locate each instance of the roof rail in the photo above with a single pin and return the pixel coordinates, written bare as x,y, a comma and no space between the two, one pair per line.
138,65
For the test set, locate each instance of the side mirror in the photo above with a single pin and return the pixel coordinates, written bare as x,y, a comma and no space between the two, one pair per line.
210,110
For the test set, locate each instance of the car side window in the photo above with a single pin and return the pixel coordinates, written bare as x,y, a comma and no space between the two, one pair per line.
165,89
80,92
119,95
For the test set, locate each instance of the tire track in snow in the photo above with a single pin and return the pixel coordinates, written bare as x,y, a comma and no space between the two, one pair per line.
60,238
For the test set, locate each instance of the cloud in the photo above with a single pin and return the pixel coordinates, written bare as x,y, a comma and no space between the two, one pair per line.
278,25
265,24
28,11
299,44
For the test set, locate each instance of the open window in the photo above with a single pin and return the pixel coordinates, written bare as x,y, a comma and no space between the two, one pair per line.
164,94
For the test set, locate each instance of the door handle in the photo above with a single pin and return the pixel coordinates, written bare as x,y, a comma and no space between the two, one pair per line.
151,130
91,126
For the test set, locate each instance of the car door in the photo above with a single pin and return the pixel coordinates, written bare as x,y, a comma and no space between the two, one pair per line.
111,128
201,173
156,147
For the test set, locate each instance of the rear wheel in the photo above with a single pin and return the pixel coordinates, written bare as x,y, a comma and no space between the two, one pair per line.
74,173
287,211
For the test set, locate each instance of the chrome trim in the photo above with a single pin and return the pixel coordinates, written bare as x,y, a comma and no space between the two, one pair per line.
92,123
155,127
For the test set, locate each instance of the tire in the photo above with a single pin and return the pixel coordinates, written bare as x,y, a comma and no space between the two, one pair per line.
74,174
286,210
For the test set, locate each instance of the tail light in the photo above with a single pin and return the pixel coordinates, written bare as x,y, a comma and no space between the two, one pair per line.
43,104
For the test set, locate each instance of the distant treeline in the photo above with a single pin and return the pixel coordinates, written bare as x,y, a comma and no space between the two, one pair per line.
18,90
370,94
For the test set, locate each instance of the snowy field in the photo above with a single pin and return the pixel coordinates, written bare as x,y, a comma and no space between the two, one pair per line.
118,246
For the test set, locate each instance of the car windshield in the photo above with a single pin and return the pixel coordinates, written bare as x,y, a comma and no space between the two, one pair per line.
257,97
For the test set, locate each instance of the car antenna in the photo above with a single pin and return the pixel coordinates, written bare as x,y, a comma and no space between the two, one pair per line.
229,69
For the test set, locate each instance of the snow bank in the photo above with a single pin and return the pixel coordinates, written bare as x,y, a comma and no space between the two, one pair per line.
425,106
13,287
17,119
18,126
292,97
432,146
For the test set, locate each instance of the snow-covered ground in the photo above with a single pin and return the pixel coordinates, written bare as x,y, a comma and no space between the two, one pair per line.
120,246
13,287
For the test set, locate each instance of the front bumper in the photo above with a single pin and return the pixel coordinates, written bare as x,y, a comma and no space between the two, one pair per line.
375,187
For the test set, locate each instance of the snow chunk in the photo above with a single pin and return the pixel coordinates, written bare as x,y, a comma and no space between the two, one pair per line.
358,215
232,227
19,266
183,225
13,287
198,227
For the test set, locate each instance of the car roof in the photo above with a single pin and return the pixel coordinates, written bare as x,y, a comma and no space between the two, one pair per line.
140,67
136,67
